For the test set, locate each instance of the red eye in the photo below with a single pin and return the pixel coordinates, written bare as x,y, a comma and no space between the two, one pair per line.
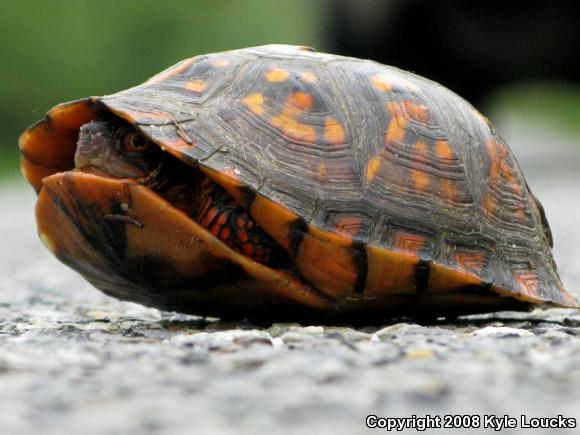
134,142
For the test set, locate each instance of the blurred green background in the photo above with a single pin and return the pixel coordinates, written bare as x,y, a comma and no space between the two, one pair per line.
63,50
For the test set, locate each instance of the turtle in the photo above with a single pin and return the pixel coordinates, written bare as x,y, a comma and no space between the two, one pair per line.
278,182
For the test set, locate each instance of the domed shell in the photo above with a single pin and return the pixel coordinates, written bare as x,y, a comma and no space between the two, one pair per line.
380,184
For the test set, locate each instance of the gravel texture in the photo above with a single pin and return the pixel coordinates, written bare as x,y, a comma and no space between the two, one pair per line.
75,361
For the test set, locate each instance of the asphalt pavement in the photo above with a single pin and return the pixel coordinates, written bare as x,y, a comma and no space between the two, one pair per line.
75,361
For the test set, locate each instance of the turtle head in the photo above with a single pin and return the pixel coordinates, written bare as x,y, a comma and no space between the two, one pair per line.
116,149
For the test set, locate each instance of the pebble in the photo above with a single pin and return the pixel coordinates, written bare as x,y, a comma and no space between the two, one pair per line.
501,332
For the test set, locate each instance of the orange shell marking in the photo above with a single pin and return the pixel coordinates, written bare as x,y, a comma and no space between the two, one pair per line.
501,172
277,75
348,225
287,120
381,82
333,131
528,282
255,102
321,172
447,189
300,100
470,260
172,72
308,77
219,63
411,243
396,129
389,82
196,85
443,150
372,168
416,112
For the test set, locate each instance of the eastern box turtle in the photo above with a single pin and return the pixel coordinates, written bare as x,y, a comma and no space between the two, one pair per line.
281,183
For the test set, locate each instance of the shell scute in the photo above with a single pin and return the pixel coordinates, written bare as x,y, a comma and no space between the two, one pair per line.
295,145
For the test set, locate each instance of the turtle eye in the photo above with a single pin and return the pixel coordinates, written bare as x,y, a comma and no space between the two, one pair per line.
134,142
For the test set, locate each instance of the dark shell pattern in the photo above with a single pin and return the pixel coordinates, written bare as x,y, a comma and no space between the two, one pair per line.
379,156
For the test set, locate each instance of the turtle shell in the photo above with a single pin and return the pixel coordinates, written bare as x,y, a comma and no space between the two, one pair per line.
390,194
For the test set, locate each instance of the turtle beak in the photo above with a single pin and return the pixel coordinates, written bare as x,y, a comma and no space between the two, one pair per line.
93,146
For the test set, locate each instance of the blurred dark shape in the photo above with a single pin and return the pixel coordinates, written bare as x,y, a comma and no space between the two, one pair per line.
471,47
